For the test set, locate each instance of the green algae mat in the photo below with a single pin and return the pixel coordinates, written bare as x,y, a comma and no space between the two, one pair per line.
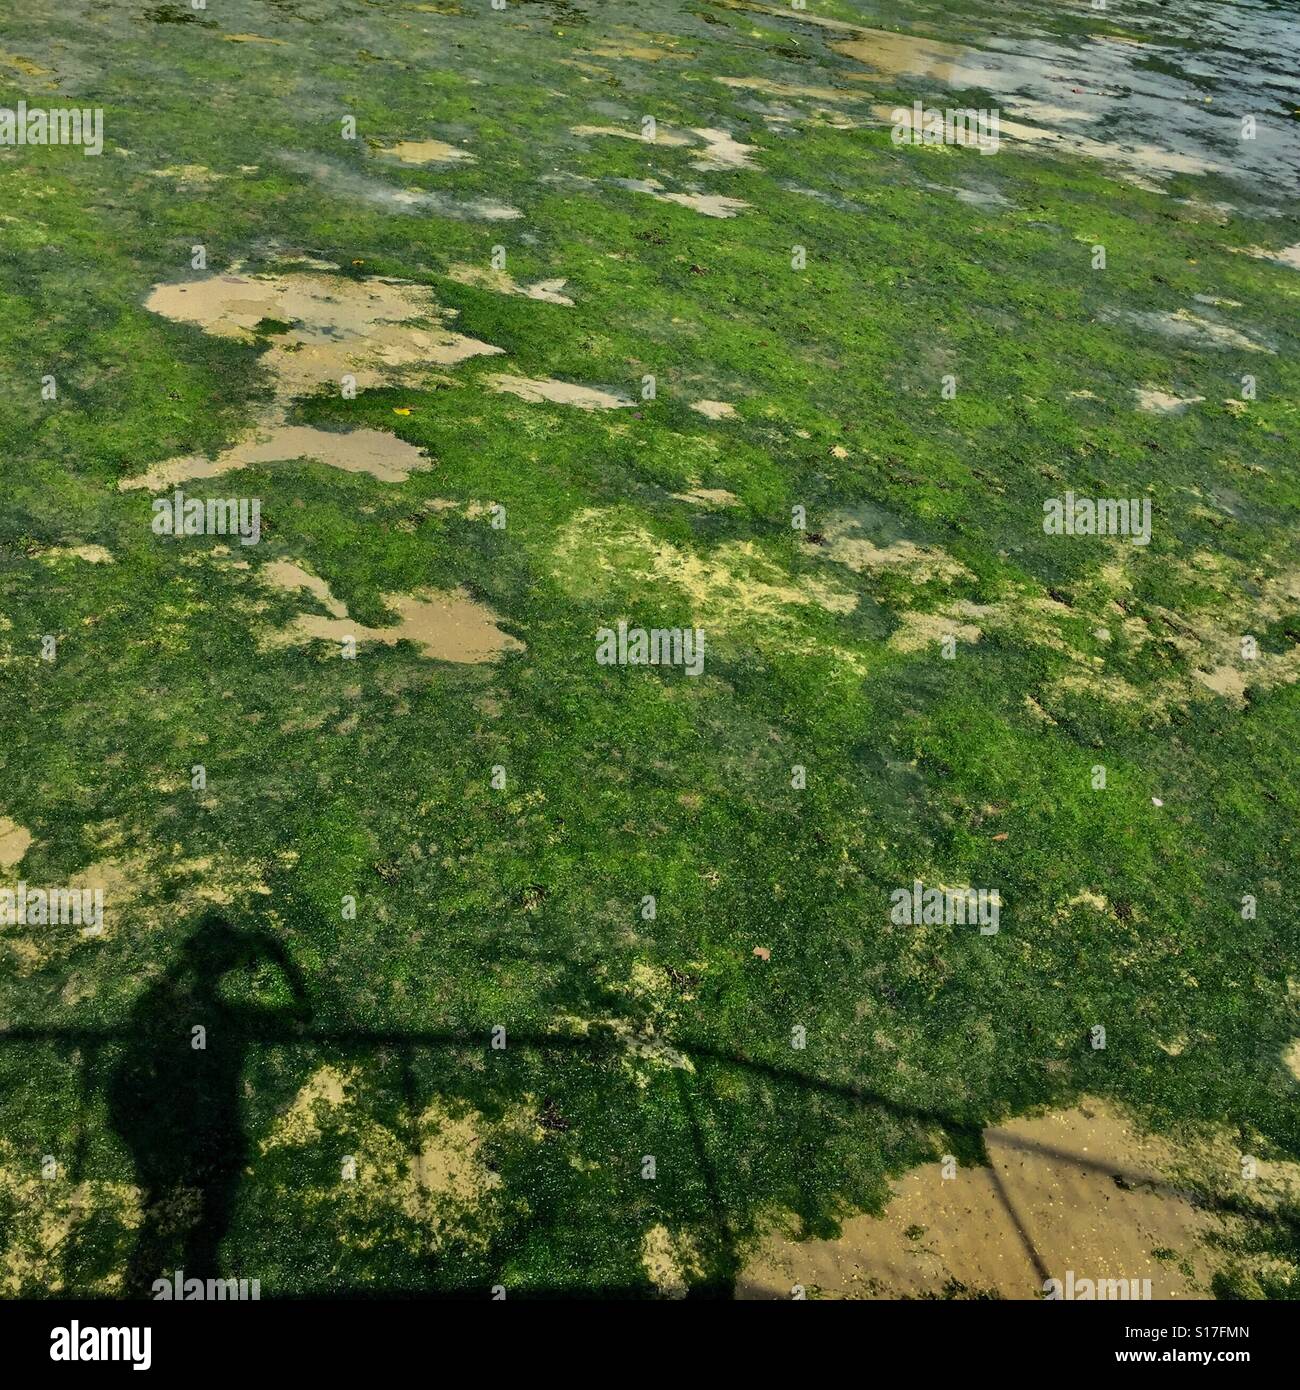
640,644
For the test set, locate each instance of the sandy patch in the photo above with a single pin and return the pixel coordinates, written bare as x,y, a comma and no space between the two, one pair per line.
325,1090
384,456
1208,637
422,1194
1045,111
732,589
1077,1190
1088,898
1288,255
15,841
286,575
140,883
251,38
848,544
500,282
707,204
670,1263
1227,681
715,410
447,1167
723,152
917,631
189,175
378,332
642,53
348,182
644,1046
427,152
709,497
382,332
42,1217
1161,402
1187,327
442,626
558,392
787,89
27,66
663,136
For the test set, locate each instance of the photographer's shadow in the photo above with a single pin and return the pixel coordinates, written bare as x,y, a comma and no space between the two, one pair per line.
174,1094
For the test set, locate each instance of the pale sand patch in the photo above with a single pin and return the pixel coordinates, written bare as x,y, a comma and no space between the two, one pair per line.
251,38
1085,898
644,53
906,55
709,497
346,180
140,884
427,152
559,392
1209,637
787,89
663,136
1227,681
426,1194
91,554
15,841
715,410
443,626
1161,402
641,1043
42,1217
724,152
846,546
285,574
1049,1203
325,1090
1187,327
917,630
380,332
1288,255
448,1166
189,175
384,456
707,204
1044,111
734,588
1135,159
1291,1059
670,1263
501,282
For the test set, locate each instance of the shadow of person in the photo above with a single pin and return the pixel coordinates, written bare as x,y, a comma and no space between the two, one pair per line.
174,1091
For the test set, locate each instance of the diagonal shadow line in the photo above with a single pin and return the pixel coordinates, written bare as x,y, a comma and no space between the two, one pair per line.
601,1043
611,1044
1014,1217
604,1042
730,1262
1233,1206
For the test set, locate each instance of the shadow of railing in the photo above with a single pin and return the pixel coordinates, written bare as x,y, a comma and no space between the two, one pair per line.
93,1047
